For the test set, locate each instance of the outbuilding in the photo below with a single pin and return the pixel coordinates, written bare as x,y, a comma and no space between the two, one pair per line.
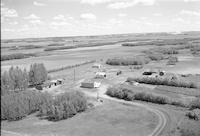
90,83
100,75
96,65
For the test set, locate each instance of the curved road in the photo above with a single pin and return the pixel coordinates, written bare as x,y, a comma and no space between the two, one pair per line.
101,93
162,118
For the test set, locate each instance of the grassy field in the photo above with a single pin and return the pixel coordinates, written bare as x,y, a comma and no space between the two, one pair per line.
107,119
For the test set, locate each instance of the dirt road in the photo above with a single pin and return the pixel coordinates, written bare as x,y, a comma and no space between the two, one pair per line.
161,115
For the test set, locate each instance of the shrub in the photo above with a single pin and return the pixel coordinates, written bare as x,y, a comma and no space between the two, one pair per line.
189,132
138,67
195,104
172,60
156,57
192,115
64,106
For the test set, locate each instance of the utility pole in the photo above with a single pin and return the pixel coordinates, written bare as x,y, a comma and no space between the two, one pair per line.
74,74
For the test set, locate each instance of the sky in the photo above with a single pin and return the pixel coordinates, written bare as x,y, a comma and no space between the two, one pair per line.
55,18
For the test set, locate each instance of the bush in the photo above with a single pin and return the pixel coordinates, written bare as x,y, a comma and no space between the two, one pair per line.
138,67
64,106
195,104
169,51
156,57
189,132
172,60
192,115
15,106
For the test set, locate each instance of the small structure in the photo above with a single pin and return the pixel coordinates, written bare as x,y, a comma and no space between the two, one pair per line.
60,81
100,75
150,71
46,84
96,65
172,60
162,73
56,82
89,83
134,83
119,72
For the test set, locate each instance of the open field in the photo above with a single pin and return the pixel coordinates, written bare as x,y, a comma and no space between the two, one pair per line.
107,119
110,117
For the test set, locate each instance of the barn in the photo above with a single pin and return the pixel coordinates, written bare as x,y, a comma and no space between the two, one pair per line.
90,83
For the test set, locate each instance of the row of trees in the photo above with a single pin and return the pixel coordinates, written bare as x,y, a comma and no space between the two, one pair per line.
16,79
16,106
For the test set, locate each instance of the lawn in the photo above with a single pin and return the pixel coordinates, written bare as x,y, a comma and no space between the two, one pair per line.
108,119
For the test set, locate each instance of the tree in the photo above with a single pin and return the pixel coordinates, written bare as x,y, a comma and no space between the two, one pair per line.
37,74
14,80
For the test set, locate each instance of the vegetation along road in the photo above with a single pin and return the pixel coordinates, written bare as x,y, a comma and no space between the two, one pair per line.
163,118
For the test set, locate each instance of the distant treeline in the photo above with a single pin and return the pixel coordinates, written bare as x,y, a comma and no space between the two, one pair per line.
25,47
138,60
17,56
161,42
72,66
59,48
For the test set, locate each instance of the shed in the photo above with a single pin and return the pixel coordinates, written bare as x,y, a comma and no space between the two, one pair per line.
60,81
46,84
89,83
96,65
100,75
54,82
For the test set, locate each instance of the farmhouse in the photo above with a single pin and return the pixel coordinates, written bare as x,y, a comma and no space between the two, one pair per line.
96,65
100,75
90,83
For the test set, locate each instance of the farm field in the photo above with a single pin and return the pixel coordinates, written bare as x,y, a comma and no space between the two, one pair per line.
109,116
